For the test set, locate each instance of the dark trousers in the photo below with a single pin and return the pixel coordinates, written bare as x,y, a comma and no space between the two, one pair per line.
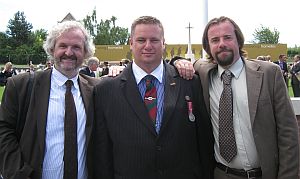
296,90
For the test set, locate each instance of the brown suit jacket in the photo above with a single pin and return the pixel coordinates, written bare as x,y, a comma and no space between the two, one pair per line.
24,158
274,125
126,144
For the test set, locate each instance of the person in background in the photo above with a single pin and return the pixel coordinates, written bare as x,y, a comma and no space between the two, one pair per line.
149,122
91,68
268,58
264,123
262,58
295,76
48,65
105,68
283,66
39,150
7,72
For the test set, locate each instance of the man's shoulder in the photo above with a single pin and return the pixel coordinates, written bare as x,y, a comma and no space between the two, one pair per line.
263,66
89,79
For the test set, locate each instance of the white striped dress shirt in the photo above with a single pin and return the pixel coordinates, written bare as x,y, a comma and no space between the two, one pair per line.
53,165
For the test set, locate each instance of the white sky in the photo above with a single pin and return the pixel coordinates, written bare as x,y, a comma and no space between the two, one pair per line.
174,14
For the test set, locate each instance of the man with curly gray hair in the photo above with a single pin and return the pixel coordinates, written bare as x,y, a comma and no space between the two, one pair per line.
35,137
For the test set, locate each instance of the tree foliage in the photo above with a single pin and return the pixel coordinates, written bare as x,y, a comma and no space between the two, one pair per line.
19,30
20,45
292,51
106,32
264,35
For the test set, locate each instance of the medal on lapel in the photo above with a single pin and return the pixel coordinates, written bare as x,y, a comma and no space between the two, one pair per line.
190,108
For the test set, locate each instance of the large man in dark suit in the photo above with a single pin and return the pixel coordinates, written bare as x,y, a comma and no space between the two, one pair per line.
265,126
129,144
38,152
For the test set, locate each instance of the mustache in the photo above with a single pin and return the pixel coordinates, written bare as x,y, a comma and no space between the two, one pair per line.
224,50
72,57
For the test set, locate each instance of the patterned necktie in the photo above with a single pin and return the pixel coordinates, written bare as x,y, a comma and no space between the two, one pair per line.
70,127
226,133
150,98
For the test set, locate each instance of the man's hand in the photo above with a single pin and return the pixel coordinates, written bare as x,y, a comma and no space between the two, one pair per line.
185,68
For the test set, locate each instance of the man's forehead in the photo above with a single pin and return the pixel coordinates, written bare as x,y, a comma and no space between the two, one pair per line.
220,29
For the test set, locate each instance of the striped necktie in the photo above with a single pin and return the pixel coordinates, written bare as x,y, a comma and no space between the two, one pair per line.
150,98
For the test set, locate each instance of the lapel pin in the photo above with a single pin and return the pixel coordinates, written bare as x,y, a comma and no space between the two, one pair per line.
172,84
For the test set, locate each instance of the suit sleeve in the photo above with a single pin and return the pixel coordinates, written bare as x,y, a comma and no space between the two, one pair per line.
102,145
287,129
11,163
205,135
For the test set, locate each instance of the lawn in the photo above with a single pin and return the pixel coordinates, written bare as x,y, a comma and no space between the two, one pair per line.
1,92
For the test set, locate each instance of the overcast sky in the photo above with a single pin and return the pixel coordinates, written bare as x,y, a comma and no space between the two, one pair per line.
175,15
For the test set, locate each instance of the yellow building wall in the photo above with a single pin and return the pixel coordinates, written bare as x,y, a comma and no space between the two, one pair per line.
274,50
118,52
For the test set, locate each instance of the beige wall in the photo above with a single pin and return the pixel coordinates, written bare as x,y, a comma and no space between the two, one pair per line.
118,52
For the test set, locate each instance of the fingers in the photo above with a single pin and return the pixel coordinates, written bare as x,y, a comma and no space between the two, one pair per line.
185,69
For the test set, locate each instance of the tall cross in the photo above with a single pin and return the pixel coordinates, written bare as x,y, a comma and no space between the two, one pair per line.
189,51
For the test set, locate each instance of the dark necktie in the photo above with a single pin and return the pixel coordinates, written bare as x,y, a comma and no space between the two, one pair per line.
70,127
150,98
226,133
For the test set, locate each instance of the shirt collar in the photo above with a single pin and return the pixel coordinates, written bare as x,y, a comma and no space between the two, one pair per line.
139,73
61,79
235,69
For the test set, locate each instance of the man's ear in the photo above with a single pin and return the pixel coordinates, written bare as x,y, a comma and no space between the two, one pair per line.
130,42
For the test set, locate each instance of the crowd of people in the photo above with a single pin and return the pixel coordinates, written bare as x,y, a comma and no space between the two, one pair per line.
224,118
290,72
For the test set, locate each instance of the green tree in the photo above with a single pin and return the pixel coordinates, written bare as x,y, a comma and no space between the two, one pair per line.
19,44
90,23
110,34
106,32
264,35
292,51
38,53
4,53
3,40
19,30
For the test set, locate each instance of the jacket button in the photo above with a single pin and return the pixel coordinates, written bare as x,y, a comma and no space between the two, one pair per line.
160,172
158,148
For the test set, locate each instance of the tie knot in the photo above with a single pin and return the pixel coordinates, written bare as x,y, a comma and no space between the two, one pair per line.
226,77
149,77
69,84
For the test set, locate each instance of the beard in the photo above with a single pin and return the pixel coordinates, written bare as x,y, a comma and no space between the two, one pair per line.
227,60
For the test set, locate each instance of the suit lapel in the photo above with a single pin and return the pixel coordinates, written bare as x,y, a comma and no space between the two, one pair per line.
41,93
254,81
204,74
86,92
132,94
171,94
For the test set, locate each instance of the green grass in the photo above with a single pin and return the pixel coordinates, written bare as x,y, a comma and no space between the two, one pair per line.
291,94
1,92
